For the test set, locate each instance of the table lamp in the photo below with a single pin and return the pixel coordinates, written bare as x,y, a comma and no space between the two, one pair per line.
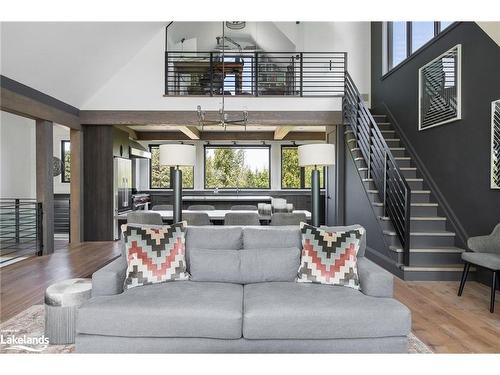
177,155
316,155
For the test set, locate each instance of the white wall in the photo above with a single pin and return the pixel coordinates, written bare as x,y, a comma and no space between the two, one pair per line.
61,133
139,85
142,171
17,156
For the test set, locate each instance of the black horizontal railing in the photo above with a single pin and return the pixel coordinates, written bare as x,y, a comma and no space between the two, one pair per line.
297,74
382,167
20,228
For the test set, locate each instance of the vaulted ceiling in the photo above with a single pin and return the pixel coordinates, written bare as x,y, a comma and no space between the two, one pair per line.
70,61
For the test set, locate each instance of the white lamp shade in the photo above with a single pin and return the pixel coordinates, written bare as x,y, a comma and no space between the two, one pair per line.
316,154
177,154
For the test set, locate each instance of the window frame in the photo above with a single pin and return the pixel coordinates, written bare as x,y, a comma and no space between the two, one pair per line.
171,170
63,162
302,173
268,147
438,30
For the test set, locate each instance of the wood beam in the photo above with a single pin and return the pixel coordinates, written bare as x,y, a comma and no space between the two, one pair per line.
230,136
18,104
281,132
190,118
132,134
45,181
76,187
191,131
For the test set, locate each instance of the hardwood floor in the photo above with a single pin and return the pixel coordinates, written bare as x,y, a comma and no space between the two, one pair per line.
23,284
441,319
448,323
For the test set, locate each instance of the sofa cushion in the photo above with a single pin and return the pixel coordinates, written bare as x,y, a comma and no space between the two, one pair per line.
215,265
345,228
179,309
329,257
288,310
271,237
155,255
263,265
214,237
244,266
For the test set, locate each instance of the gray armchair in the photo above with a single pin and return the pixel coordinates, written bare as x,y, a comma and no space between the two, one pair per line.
486,254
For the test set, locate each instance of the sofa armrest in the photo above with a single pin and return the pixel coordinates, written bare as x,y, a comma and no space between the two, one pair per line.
375,281
109,279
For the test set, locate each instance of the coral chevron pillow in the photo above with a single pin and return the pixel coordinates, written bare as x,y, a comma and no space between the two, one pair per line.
329,257
155,255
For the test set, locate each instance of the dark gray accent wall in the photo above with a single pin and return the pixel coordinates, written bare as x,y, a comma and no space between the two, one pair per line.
456,155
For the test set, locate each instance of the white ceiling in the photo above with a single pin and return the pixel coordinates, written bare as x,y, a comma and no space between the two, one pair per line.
70,61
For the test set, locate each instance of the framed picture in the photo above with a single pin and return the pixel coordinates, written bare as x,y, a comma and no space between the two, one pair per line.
440,90
495,144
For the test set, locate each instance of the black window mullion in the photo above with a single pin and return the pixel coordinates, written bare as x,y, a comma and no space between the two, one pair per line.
437,28
389,44
408,38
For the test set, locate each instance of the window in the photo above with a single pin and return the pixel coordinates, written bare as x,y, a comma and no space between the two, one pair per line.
398,47
405,38
160,175
421,33
237,167
66,161
293,176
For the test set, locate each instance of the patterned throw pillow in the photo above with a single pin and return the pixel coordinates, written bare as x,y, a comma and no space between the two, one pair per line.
155,255
329,257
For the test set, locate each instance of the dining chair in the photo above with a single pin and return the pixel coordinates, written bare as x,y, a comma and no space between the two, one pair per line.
196,218
201,207
144,217
244,207
162,207
486,254
288,218
241,218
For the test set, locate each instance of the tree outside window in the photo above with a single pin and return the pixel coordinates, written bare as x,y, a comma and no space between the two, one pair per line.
66,161
237,167
292,175
160,175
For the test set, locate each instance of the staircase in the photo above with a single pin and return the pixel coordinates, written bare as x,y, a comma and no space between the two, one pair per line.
430,252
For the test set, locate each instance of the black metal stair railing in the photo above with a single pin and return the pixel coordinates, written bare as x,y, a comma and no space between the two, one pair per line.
20,228
243,73
382,167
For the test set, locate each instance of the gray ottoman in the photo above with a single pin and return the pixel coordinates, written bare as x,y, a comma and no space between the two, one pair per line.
61,302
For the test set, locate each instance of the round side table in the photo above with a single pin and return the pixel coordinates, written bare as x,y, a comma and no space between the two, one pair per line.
61,302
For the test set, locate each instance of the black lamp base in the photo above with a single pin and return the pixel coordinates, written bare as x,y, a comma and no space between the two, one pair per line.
177,195
315,194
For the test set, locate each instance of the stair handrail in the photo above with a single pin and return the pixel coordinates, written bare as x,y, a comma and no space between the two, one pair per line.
391,184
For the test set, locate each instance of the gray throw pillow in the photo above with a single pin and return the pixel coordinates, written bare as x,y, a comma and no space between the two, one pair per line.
244,266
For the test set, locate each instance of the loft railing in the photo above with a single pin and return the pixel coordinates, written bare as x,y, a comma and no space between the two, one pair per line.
382,167
297,74
20,228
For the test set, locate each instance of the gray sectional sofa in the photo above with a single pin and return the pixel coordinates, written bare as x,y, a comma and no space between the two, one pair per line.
222,317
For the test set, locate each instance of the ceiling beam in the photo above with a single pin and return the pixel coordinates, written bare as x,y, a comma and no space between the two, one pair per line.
21,105
281,132
190,118
191,131
26,101
132,134
230,136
